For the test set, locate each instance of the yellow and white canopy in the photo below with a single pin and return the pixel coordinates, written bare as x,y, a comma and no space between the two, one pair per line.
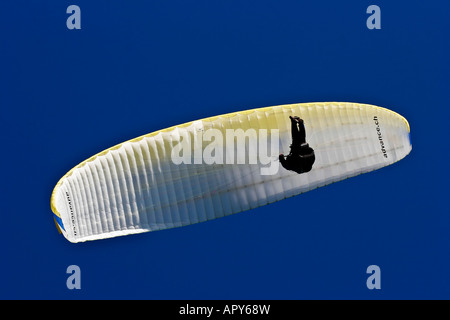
222,165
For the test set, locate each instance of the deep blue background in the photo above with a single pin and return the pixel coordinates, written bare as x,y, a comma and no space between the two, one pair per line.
140,66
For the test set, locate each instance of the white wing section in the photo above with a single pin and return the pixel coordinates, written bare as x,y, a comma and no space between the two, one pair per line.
175,177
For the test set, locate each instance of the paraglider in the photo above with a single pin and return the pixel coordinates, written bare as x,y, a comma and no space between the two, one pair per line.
301,158
223,165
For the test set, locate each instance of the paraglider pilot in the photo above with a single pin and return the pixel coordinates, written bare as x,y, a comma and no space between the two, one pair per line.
301,158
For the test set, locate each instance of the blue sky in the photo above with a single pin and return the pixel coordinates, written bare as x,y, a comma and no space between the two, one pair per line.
140,66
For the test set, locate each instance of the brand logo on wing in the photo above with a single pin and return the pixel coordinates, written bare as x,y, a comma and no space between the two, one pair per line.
380,136
72,215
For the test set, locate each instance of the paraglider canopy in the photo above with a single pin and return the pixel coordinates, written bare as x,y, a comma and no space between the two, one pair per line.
222,165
